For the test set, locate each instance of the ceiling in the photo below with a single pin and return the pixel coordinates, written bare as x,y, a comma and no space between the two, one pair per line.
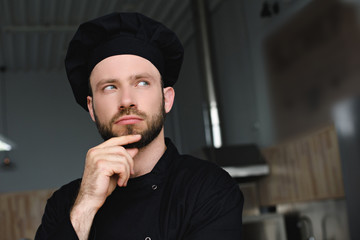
34,34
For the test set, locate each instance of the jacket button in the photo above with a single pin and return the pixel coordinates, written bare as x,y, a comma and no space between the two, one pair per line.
154,187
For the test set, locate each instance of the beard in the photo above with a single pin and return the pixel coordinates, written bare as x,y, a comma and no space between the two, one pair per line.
154,125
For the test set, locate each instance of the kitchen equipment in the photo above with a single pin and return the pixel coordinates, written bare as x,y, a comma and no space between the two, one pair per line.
264,227
239,161
298,227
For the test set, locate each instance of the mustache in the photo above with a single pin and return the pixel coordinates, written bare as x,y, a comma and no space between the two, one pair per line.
128,111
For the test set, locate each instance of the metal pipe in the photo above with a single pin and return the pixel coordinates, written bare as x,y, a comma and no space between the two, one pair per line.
201,19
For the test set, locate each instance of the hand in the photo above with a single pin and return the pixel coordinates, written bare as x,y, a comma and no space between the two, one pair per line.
107,165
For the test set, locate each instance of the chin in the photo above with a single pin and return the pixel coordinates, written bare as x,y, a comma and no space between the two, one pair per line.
128,130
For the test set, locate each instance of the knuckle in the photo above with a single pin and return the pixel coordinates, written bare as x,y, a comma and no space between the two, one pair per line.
91,152
100,164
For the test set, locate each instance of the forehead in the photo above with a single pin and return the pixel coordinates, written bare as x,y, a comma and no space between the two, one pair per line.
123,67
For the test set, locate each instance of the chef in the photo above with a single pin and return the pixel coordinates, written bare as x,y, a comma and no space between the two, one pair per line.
135,185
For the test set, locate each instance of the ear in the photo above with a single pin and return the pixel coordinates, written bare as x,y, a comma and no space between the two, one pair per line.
169,96
90,107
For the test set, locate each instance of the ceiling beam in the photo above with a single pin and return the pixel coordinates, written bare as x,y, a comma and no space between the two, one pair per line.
39,28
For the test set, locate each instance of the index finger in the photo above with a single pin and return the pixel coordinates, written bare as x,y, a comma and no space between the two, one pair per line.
121,141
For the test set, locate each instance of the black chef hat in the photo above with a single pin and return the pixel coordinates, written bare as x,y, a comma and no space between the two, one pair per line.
121,33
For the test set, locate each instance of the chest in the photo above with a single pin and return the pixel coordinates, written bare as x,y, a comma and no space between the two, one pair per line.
154,211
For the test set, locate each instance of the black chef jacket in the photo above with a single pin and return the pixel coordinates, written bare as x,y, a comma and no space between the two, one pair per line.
181,198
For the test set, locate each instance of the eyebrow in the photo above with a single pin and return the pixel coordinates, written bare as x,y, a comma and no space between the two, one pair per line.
142,75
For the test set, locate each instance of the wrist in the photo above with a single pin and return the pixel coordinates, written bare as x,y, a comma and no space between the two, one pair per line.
83,210
81,216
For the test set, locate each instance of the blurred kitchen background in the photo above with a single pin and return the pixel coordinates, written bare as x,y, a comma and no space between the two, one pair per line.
269,89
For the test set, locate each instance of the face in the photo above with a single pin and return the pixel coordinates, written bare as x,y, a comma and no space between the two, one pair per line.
128,98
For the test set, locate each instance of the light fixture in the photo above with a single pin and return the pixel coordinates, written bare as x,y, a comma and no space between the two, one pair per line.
5,144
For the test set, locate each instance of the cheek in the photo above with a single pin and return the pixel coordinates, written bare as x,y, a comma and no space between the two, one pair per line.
152,102
103,108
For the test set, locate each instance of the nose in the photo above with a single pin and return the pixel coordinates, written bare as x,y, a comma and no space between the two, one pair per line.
127,99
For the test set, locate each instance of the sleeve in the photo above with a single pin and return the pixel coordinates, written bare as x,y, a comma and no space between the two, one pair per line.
217,213
63,230
55,223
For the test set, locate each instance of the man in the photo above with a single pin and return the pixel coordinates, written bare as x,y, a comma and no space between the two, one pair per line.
135,184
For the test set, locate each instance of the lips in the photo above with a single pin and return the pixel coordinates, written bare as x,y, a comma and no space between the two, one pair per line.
129,119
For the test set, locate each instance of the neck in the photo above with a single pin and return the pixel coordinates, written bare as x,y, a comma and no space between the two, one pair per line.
147,157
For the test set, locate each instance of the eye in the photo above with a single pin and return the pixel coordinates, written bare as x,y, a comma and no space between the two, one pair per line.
143,83
109,87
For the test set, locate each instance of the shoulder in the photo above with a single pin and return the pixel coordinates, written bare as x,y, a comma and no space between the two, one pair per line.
65,195
190,163
203,173
70,188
